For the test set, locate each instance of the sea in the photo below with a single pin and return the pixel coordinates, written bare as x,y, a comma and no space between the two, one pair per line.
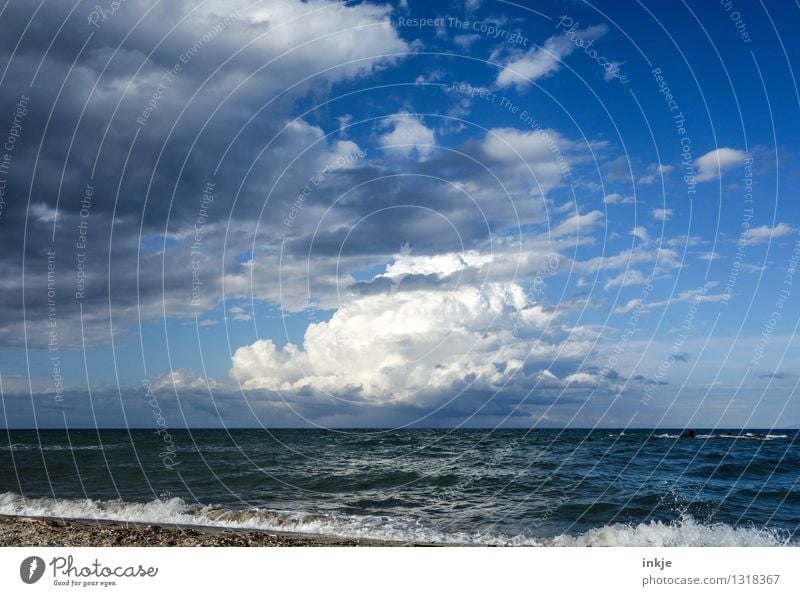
600,487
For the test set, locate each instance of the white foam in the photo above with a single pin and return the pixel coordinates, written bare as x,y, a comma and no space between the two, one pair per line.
28,447
766,437
685,532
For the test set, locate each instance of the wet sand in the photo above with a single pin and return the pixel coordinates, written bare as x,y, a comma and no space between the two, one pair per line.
31,531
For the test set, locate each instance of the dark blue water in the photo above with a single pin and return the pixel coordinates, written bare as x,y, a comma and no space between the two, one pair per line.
508,486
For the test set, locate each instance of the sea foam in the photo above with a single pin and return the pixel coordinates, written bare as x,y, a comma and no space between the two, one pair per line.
684,532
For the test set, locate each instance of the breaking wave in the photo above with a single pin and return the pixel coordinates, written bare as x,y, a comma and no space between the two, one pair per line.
684,532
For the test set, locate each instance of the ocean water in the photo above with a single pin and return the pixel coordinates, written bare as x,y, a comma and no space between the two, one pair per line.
512,487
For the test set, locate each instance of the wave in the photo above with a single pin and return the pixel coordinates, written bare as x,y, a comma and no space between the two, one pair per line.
684,532
29,447
755,436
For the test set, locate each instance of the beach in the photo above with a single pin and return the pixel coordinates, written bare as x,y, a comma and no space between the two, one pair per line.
32,531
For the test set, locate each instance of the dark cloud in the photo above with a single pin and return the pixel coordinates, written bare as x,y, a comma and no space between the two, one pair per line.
777,375
145,113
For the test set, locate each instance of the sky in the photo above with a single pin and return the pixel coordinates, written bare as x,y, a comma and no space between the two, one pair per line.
409,214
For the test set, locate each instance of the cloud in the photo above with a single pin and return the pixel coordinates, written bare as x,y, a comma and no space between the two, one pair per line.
764,234
408,136
655,172
696,295
181,379
780,375
714,164
411,346
440,265
641,233
43,214
277,53
429,328
237,313
512,145
614,198
661,214
577,224
543,157
664,259
465,40
536,63
611,73
630,277
322,35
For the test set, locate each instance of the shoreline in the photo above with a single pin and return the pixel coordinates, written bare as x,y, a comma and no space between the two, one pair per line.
31,531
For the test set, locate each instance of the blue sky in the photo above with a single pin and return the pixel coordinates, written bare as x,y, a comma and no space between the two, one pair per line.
419,214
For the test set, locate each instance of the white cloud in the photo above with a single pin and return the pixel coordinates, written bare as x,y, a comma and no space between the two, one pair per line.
411,346
614,198
541,157
512,145
630,277
628,307
536,63
440,265
665,258
292,282
328,38
763,234
465,40
577,224
714,164
661,214
43,213
180,379
408,136
611,73
430,77
582,378
655,172
237,313
641,233
696,295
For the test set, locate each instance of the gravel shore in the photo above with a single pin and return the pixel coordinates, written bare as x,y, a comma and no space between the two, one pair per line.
28,531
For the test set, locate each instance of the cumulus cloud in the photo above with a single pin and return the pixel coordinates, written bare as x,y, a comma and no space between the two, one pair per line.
630,277
545,155
695,295
237,313
655,172
521,69
714,164
328,38
43,214
394,346
764,234
408,136
614,198
416,345
641,233
664,259
577,224
182,379
277,53
661,214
